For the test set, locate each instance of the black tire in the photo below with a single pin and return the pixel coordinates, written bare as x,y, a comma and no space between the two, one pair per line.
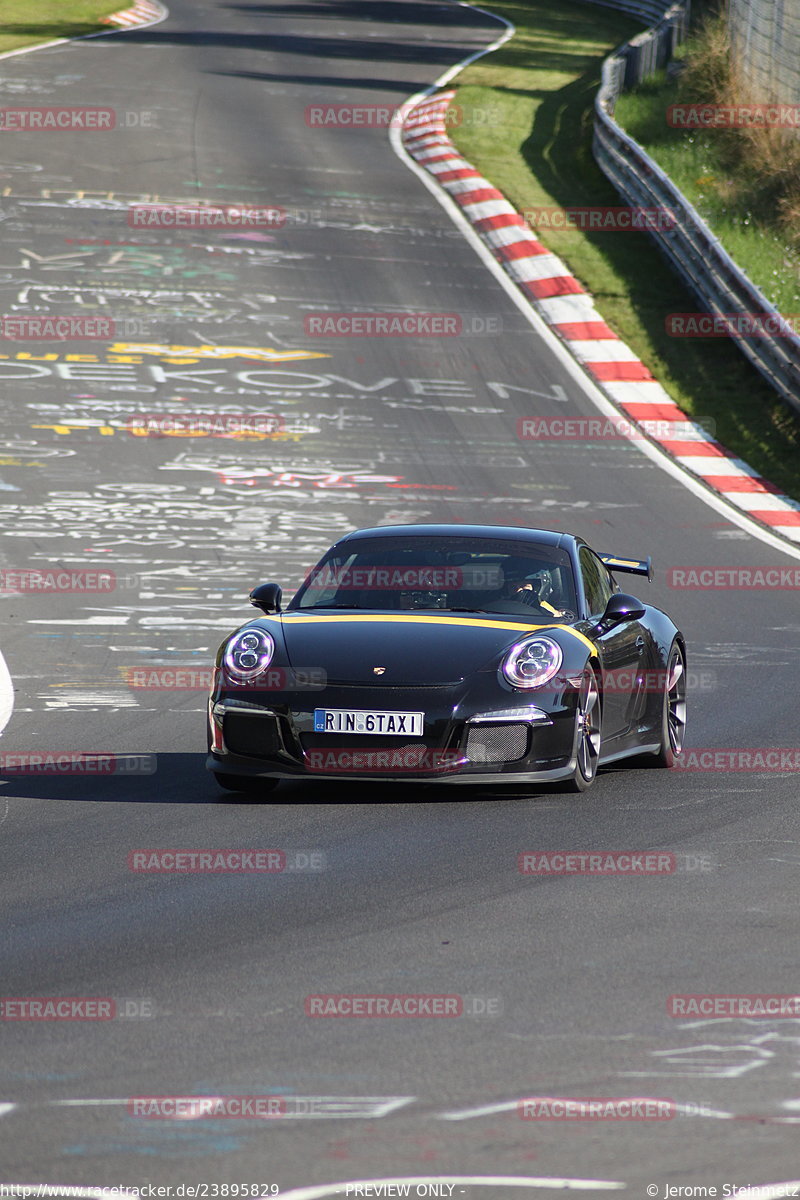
673,710
253,785
588,721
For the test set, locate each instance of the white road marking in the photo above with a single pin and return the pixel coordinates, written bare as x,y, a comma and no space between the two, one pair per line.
81,700
485,1111
327,1107
680,1063
6,694
79,621
650,449
411,1181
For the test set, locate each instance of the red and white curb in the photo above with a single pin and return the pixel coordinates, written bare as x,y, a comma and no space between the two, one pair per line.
143,12
569,310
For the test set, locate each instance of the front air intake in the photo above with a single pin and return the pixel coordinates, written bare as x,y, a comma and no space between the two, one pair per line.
497,743
250,734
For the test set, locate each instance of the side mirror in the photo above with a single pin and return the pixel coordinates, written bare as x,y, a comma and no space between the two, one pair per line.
267,597
621,607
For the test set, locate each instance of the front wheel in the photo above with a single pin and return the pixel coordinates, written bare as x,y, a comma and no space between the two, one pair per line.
673,710
587,734
251,784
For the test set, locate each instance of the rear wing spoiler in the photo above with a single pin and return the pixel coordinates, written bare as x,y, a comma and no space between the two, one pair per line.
630,566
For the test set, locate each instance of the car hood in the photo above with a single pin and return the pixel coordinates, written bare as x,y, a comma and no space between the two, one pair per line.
414,648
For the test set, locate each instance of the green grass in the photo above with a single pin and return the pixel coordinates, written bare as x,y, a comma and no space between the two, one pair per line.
26,22
738,215
539,90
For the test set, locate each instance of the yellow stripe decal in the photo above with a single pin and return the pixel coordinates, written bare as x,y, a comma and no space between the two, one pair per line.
580,636
624,562
403,619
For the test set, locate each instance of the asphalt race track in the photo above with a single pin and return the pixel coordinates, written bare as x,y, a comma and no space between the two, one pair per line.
402,889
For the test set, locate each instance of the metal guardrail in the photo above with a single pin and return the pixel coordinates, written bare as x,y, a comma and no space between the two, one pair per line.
718,284
646,10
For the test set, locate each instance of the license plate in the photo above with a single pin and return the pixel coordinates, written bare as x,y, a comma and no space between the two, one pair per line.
357,720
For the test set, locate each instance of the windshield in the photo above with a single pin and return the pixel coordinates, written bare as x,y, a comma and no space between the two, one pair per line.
455,574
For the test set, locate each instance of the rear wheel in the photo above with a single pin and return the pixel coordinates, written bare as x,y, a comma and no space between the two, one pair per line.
673,710
251,784
587,733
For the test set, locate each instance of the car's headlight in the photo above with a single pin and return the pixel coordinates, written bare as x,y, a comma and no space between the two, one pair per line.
248,654
532,662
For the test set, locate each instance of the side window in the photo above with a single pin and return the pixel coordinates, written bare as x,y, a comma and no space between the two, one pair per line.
597,583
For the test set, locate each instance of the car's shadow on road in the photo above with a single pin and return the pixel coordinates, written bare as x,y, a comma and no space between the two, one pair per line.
181,778
168,778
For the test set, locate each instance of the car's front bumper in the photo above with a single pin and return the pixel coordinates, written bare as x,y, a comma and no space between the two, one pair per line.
462,741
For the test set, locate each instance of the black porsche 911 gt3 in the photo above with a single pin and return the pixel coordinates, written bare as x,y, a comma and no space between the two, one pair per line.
460,654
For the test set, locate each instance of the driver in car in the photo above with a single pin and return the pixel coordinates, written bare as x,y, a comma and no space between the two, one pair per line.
537,589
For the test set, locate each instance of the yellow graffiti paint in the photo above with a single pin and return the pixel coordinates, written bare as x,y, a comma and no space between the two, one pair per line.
262,353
